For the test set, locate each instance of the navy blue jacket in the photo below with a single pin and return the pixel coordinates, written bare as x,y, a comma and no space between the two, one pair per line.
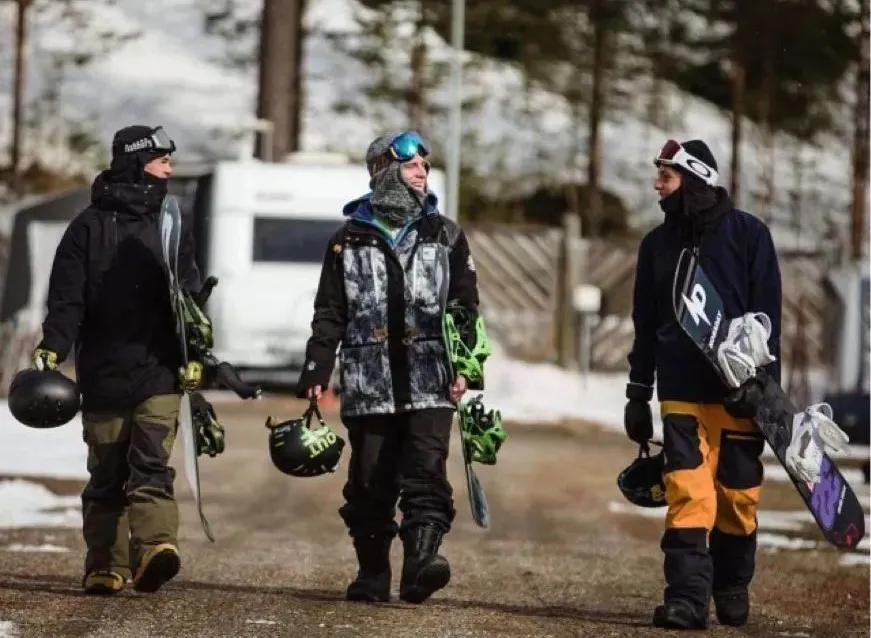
738,255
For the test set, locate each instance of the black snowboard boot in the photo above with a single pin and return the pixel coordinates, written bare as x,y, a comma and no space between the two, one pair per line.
423,571
732,606
372,584
679,614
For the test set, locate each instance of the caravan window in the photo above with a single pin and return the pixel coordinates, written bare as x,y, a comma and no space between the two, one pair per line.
292,240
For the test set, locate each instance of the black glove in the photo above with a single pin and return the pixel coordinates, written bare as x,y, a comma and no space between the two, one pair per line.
743,402
638,421
637,418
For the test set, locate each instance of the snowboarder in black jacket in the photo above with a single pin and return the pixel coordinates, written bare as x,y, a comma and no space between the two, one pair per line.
712,473
108,294
387,276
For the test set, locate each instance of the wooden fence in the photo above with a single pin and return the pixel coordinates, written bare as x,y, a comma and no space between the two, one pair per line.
518,273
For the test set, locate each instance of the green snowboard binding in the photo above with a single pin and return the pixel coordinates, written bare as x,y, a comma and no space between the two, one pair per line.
481,431
462,329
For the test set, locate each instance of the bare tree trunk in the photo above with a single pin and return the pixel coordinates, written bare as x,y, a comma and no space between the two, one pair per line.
597,105
860,142
278,46
295,101
766,103
738,84
415,100
18,95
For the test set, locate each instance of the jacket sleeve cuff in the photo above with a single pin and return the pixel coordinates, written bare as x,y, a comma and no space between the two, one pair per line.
313,373
639,392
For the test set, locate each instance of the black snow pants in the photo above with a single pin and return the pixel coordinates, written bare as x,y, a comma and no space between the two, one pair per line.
398,457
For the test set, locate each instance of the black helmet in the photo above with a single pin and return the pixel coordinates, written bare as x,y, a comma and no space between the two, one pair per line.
641,483
298,450
43,398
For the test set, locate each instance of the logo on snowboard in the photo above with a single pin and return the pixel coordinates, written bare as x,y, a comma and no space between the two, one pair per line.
696,304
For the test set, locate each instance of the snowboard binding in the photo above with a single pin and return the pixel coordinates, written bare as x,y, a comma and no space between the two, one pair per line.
467,343
745,348
482,431
200,341
814,433
210,435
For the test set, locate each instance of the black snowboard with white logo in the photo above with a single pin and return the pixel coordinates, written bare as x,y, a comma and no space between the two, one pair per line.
699,311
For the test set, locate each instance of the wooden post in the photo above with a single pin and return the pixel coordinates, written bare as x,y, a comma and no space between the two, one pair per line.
569,267
860,143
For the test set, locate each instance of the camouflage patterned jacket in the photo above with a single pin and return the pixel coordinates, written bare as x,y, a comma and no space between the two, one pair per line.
383,300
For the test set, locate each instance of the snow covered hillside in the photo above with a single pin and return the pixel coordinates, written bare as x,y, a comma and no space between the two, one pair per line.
169,75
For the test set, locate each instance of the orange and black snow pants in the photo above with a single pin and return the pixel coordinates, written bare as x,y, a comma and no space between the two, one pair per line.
713,476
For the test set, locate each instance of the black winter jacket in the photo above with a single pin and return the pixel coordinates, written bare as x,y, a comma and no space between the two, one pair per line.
383,300
109,295
738,254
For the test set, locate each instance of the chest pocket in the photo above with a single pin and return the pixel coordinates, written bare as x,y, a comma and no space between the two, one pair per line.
427,277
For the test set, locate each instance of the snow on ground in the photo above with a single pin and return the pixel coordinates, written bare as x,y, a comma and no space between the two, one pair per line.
7,629
45,548
58,452
26,504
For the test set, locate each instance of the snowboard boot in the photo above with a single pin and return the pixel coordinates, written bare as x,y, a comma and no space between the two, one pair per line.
103,583
424,572
678,614
159,565
732,606
372,584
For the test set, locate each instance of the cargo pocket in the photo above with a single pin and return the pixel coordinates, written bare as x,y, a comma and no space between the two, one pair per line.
365,381
427,368
681,442
739,466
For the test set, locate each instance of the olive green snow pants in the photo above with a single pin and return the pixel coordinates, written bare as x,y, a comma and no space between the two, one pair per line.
128,504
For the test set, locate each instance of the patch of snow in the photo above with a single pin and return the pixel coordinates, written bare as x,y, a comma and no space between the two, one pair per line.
57,452
543,392
25,504
7,629
849,560
44,548
774,542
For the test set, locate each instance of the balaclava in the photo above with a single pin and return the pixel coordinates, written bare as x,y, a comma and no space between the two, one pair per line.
694,195
696,205
129,159
393,201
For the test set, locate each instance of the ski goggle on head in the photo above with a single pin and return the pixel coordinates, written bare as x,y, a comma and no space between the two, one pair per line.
158,140
406,145
674,154
403,148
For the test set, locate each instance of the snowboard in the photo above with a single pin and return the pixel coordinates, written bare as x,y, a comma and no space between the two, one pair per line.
832,502
170,235
477,497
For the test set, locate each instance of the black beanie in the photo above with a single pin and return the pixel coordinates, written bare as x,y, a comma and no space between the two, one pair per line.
132,149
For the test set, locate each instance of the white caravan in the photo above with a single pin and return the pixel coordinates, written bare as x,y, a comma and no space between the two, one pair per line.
262,229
